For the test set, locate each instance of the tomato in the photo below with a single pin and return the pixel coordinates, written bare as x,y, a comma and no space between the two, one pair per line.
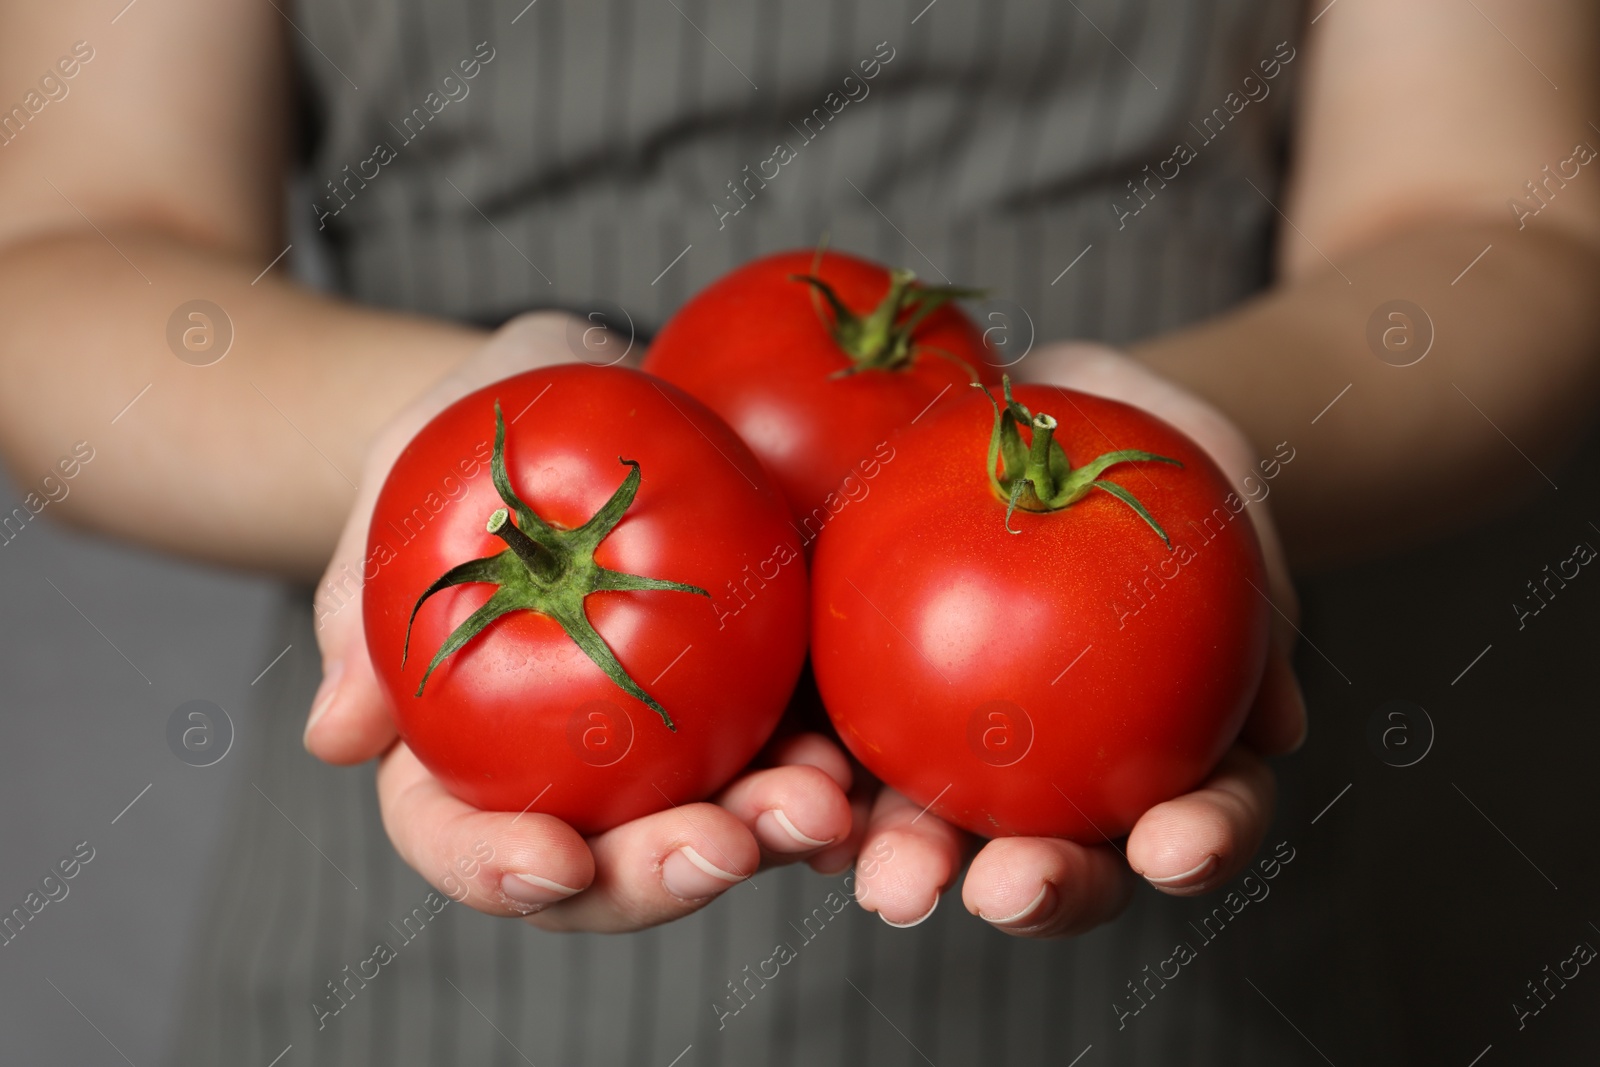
1048,672
814,377
604,683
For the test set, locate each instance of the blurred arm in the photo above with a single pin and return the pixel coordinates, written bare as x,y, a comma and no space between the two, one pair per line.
1418,122
157,178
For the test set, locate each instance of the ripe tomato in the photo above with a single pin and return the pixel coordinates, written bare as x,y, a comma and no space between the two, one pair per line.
1041,672
814,377
611,686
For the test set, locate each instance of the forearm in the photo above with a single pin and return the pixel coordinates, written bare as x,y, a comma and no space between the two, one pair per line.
1404,452
250,461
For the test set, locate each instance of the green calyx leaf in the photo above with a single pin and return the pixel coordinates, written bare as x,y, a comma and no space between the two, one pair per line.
1037,476
883,339
549,570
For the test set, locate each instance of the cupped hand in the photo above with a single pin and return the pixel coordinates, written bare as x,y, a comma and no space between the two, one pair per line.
792,805
1048,887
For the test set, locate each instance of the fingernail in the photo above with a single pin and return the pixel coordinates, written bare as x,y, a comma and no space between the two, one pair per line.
1030,912
775,817
688,875
326,692
1193,876
531,889
913,922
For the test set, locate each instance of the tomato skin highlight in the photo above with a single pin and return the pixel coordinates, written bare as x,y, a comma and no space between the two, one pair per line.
753,347
519,707
1055,682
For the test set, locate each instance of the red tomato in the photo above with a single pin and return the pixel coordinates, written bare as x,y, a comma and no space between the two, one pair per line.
519,714
1056,681
813,391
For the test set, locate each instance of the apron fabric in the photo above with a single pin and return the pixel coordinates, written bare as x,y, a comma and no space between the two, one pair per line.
471,159
309,886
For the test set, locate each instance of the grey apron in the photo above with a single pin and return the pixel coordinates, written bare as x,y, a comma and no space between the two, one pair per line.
1102,168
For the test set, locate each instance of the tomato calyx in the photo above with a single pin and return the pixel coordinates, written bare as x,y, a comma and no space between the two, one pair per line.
1038,477
549,570
883,339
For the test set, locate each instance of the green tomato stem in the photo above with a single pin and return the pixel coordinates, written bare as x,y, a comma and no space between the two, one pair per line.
1038,469
1039,476
550,571
884,338
538,559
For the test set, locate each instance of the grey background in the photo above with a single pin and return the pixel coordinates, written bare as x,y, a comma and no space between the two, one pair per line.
81,734
83,731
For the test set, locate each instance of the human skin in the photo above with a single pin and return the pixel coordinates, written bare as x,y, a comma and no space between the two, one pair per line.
1417,122
161,177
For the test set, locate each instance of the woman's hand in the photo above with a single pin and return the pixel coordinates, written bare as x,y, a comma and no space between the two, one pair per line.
1047,887
639,874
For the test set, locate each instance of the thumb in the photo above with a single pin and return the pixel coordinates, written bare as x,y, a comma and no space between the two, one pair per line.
349,720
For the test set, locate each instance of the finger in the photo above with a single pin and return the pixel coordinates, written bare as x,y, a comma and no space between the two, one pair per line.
1277,722
907,859
1046,887
792,811
1199,841
813,750
496,862
1095,368
658,868
825,754
349,720
841,855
